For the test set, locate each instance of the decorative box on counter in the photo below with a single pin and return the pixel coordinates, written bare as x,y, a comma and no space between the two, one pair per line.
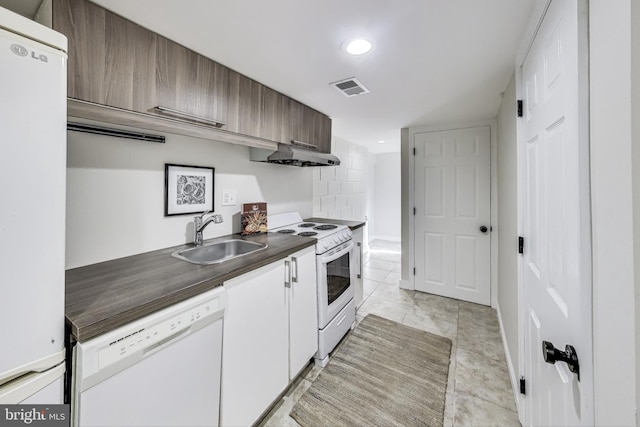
254,218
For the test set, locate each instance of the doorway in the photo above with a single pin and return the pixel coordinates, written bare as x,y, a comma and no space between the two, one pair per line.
554,222
452,213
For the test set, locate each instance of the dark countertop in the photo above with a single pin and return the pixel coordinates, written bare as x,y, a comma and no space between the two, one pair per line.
101,297
353,225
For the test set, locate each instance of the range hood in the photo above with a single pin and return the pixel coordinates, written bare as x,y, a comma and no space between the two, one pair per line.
294,156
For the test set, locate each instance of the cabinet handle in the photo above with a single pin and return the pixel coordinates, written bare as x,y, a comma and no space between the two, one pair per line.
294,274
193,117
287,274
361,261
303,144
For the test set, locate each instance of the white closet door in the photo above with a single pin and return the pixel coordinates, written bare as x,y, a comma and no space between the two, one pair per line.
453,213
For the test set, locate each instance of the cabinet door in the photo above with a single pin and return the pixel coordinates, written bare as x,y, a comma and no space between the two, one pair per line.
111,60
300,122
322,132
274,124
190,84
309,126
303,311
255,348
245,105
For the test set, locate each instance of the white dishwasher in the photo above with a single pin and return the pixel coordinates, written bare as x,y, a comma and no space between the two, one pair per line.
161,370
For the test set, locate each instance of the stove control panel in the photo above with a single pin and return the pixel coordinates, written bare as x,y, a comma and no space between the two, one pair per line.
333,240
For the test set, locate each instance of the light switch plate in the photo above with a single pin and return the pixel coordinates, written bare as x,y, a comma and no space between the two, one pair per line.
228,197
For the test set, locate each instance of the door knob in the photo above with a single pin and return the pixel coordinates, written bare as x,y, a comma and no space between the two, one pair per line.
569,356
484,229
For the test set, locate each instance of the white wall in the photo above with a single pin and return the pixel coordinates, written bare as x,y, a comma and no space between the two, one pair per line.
115,193
370,216
387,204
507,225
364,186
635,118
340,192
611,124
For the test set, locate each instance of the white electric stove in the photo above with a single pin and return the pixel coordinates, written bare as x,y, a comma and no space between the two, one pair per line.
334,252
328,235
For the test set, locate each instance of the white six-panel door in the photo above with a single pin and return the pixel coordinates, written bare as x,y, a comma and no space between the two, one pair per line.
556,303
453,203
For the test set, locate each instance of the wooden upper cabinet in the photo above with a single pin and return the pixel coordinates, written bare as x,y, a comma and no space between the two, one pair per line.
111,60
117,63
322,132
191,86
309,128
244,105
274,124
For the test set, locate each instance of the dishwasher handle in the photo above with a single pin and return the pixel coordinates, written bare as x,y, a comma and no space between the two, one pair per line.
167,341
106,355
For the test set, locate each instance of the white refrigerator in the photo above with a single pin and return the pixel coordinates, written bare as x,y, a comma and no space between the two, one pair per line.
33,89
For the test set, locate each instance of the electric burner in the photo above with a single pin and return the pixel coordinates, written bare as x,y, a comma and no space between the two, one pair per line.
307,233
325,227
328,236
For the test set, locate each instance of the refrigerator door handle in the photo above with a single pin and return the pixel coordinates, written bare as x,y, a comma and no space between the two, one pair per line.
23,387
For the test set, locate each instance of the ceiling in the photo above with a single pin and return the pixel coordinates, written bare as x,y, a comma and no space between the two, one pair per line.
434,61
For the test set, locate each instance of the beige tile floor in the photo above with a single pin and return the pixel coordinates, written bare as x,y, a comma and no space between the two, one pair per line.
479,391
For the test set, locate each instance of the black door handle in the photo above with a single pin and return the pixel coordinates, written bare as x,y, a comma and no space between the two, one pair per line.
569,356
484,229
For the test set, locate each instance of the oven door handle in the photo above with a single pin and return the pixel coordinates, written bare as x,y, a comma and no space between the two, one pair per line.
328,258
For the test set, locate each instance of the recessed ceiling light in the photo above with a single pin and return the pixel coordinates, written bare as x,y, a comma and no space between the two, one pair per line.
359,47
381,142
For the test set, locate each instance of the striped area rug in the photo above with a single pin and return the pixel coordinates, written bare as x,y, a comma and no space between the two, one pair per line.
384,374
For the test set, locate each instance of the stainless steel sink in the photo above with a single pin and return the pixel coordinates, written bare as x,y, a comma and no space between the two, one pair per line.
214,253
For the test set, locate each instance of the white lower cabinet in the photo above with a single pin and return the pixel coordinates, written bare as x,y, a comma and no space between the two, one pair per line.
303,311
270,333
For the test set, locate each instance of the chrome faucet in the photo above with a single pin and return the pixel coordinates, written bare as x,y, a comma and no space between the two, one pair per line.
199,224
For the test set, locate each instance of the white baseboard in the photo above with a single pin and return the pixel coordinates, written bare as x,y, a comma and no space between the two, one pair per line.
405,284
515,380
387,238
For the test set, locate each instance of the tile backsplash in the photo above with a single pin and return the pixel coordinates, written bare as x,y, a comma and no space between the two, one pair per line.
340,192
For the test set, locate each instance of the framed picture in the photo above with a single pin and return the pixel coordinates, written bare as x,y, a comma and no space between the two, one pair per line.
187,189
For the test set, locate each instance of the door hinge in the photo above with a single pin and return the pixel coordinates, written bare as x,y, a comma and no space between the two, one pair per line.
414,271
414,210
521,245
523,386
414,151
520,112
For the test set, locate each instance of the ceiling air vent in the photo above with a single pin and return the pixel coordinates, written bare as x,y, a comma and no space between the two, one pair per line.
350,87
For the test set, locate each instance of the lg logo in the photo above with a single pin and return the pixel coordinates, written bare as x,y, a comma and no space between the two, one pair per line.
23,51
19,50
